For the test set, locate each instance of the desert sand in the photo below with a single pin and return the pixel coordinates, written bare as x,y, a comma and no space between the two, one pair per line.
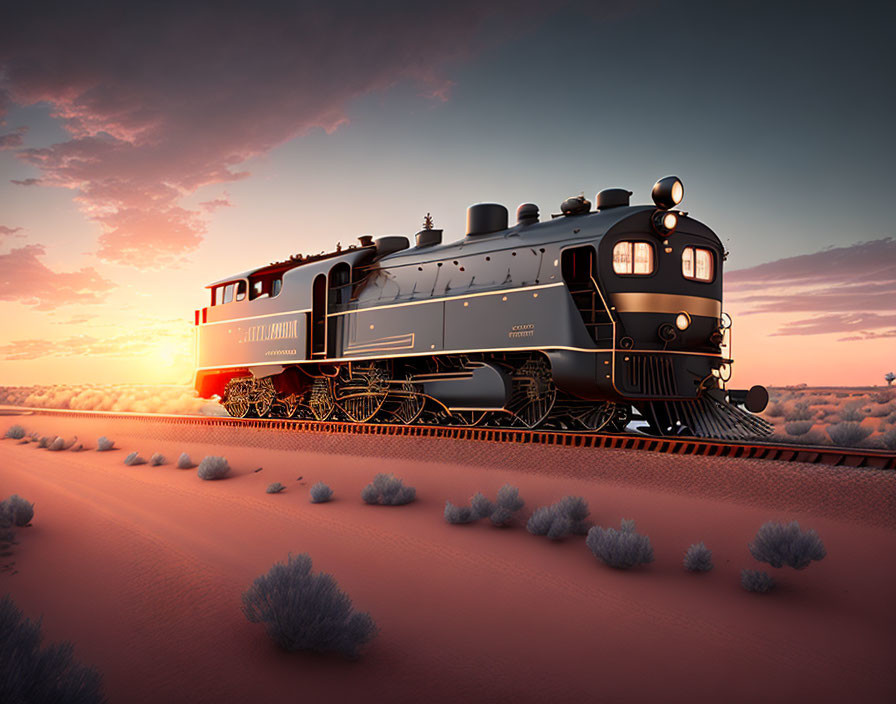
143,567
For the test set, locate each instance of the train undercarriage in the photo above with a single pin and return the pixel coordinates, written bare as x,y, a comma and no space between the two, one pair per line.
496,390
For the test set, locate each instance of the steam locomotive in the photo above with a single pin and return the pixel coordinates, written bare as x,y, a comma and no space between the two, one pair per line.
584,321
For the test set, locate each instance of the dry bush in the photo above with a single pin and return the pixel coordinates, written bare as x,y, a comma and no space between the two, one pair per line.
756,581
457,515
321,493
104,444
15,432
213,467
569,515
184,461
274,488
775,410
799,411
889,439
698,558
852,412
31,674
388,490
18,510
848,434
305,611
800,427
885,396
779,544
622,549
157,459
133,459
882,410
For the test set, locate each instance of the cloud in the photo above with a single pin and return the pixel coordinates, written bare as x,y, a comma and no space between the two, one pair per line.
853,286
13,139
24,278
211,206
26,181
162,101
9,231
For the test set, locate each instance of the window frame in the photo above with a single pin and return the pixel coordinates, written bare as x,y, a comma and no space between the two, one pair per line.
712,264
653,258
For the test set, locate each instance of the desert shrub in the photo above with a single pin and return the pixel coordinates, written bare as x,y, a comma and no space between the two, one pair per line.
184,461
57,445
104,444
274,488
882,410
481,506
7,532
44,442
813,437
134,459
15,432
775,410
320,493
305,611
560,519
756,581
213,467
885,396
29,673
889,439
19,510
800,411
891,419
848,434
779,544
622,549
852,412
458,514
800,427
698,558
157,459
388,490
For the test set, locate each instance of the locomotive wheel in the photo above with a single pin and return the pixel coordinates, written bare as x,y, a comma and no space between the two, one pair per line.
264,397
236,397
468,418
405,404
288,406
621,418
320,399
362,395
533,393
597,417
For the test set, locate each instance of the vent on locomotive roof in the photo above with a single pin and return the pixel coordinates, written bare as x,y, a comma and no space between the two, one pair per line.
612,198
389,244
576,205
428,236
527,214
484,218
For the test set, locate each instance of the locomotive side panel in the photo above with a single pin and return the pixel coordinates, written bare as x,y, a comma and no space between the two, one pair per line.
401,329
253,341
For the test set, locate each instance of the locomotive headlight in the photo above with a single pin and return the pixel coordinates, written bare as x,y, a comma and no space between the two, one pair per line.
683,321
664,223
667,192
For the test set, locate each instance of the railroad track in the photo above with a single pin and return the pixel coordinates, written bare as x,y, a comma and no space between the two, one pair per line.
845,457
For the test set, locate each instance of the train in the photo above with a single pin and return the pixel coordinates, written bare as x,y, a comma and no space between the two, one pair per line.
584,321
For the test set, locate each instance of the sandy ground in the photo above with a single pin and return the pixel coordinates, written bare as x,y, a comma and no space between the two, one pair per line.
143,568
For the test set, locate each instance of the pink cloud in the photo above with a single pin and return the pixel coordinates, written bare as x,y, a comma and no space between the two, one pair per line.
26,181
13,139
25,279
160,103
10,231
211,206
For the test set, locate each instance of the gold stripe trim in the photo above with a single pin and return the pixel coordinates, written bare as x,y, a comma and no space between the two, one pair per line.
666,303
395,342
442,352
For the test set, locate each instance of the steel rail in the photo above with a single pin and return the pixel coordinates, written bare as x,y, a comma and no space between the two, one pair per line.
836,456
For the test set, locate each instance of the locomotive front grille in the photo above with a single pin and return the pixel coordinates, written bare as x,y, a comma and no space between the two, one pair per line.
651,375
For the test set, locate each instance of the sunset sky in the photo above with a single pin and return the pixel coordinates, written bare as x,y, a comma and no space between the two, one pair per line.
147,151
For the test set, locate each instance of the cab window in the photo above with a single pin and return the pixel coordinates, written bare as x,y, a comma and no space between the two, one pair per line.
697,264
635,258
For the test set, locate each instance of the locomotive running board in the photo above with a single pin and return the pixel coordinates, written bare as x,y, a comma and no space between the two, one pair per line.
708,417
